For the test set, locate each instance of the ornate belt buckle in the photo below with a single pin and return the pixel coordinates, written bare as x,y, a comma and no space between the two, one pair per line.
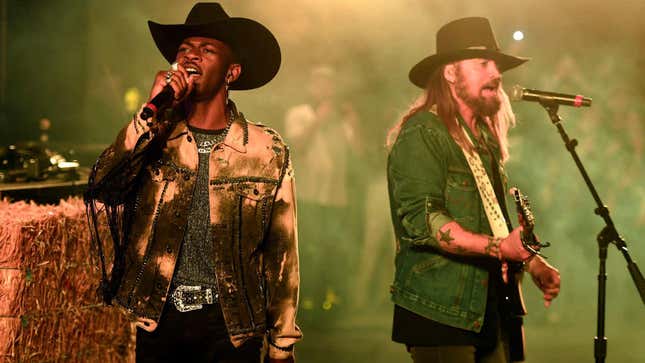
178,298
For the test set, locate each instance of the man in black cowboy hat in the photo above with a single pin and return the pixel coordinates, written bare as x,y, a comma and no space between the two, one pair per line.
455,294
201,204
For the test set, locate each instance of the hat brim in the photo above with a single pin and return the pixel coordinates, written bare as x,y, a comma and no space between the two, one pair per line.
255,47
420,74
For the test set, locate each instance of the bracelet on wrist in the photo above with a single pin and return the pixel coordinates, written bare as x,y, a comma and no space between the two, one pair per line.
284,349
494,247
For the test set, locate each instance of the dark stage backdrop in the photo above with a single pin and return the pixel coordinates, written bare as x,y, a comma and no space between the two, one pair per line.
79,63
46,68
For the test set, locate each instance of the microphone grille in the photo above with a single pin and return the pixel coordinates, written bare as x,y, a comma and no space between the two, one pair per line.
517,93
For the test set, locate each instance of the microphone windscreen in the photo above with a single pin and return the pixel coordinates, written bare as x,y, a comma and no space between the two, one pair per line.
517,92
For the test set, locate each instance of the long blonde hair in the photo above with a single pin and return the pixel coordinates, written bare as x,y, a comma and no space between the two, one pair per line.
438,99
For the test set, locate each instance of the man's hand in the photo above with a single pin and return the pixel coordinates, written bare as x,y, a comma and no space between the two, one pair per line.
511,247
546,277
180,81
146,324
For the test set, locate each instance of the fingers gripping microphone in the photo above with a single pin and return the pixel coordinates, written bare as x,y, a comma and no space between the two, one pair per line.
163,98
533,95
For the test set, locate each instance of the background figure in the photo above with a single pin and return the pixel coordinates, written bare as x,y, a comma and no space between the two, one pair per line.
374,267
322,135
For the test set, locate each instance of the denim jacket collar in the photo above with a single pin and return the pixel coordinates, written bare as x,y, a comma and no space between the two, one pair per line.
236,138
238,134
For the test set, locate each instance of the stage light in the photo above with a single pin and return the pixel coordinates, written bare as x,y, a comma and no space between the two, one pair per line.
518,35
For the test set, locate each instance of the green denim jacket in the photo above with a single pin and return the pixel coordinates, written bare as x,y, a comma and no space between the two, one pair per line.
430,184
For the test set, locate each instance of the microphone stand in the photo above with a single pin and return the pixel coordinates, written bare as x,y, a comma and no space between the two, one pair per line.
607,235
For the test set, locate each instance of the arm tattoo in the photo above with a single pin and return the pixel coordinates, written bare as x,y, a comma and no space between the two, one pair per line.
492,248
445,236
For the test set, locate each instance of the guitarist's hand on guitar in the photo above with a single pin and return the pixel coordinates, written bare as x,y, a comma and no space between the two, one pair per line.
527,221
511,247
546,278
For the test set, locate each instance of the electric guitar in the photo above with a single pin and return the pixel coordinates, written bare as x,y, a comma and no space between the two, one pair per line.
513,302
527,221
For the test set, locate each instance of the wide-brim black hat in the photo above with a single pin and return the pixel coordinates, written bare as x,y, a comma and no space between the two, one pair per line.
463,39
255,48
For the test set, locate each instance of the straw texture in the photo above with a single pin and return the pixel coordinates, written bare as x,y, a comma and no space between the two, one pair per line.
49,310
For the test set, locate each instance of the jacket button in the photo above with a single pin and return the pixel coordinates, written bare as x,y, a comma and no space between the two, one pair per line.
168,249
189,138
177,214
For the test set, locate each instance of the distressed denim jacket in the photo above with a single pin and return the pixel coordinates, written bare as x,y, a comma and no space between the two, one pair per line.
252,218
430,184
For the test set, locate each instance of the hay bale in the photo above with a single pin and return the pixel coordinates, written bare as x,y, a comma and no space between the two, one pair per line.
49,310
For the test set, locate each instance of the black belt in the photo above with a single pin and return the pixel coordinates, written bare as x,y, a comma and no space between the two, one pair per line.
187,298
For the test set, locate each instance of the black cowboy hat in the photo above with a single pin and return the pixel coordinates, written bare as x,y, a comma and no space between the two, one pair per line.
463,39
255,47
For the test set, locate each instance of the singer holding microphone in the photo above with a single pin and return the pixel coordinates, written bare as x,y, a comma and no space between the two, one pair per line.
455,289
200,203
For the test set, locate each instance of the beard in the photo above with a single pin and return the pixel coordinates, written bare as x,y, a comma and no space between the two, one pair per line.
481,106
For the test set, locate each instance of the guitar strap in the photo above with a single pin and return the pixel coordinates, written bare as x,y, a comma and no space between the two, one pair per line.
492,208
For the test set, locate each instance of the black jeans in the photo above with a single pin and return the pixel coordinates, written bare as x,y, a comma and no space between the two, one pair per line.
463,353
194,336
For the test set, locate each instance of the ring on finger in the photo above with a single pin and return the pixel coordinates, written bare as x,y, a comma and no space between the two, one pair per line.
169,76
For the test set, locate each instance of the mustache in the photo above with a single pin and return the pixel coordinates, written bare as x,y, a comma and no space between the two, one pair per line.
492,84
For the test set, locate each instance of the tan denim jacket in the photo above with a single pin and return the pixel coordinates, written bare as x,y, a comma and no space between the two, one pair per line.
252,217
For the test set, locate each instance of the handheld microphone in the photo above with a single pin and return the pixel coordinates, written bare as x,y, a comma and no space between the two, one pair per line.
163,98
532,95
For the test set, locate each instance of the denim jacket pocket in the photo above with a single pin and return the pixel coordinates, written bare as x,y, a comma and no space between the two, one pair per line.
431,262
462,198
460,179
435,273
255,191
254,201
